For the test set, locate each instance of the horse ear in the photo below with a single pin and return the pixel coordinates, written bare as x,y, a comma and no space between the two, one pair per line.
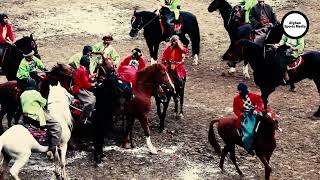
50,86
59,84
31,36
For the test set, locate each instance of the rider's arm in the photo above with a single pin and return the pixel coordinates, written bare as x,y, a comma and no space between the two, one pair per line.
125,61
2,39
23,71
142,63
115,57
11,33
39,63
273,17
175,4
42,101
242,2
252,16
300,45
258,102
166,55
236,108
283,40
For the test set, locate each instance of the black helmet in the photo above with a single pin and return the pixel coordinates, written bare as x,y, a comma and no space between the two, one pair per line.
85,60
31,84
136,53
86,49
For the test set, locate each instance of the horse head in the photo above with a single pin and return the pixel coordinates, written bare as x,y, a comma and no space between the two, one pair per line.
60,73
268,122
136,24
155,74
216,5
26,44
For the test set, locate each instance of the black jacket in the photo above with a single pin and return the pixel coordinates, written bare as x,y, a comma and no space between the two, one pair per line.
255,15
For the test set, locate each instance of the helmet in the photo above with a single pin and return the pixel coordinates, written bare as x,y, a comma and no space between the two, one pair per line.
31,84
107,36
85,60
86,49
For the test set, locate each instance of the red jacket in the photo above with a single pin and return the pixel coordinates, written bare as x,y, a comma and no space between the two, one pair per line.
81,80
9,35
175,54
255,99
126,61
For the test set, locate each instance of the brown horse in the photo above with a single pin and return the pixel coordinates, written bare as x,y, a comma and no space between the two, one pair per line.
264,142
148,80
9,100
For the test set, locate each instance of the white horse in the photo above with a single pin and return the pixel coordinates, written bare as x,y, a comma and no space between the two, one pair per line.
17,142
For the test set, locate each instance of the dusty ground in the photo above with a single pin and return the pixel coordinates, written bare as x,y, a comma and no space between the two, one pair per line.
64,27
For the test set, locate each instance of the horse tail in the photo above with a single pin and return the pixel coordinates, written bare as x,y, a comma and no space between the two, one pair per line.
212,138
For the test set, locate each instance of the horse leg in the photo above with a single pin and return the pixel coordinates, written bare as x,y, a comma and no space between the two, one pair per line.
182,98
264,95
233,159
176,101
130,122
245,70
98,126
153,50
164,113
267,168
21,160
145,125
317,114
5,163
223,156
3,111
63,160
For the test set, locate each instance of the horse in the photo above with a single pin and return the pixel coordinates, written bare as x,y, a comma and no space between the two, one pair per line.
264,142
236,31
17,142
147,81
267,72
149,21
9,100
177,93
14,54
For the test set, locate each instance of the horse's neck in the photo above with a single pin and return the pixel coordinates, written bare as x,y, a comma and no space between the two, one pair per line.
225,12
150,20
143,87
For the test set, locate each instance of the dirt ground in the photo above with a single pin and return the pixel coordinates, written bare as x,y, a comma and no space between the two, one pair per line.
63,27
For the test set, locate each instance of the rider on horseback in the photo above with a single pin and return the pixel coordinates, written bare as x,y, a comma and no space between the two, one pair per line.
106,50
82,88
297,47
33,105
246,106
173,5
74,60
6,33
175,54
262,18
28,68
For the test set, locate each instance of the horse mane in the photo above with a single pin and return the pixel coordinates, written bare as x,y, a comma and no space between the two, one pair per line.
144,74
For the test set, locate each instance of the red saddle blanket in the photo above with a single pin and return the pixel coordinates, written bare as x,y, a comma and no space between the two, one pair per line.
296,63
40,135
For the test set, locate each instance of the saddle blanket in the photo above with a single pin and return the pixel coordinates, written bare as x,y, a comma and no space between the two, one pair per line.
40,135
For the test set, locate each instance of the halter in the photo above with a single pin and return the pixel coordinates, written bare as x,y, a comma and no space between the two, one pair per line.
141,22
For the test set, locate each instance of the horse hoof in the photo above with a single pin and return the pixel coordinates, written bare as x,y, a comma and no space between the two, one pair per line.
181,116
292,90
315,118
153,151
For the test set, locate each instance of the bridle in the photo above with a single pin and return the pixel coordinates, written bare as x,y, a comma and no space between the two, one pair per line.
139,27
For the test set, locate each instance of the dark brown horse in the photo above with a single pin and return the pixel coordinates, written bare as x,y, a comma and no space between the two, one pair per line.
264,141
148,80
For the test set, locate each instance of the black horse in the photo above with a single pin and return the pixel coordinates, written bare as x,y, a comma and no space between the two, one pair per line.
14,55
267,70
237,31
177,94
153,34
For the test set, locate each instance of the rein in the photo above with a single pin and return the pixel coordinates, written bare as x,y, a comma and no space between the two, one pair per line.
149,22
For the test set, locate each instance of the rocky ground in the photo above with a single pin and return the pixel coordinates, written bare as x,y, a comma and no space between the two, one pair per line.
63,27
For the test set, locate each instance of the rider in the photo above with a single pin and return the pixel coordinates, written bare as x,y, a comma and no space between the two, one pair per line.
176,52
247,6
82,88
28,65
74,60
297,47
135,59
262,15
6,33
33,104
247,106
105,49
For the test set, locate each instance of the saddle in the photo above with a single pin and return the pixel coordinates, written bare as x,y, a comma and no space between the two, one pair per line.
39,134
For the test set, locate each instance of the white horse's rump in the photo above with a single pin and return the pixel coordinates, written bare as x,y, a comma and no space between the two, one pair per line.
18,143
